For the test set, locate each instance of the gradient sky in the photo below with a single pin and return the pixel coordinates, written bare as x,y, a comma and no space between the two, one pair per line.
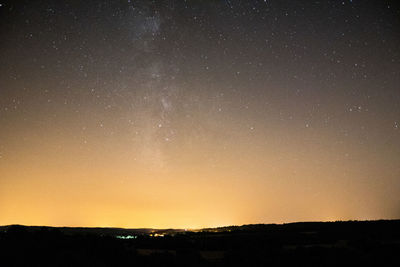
198,113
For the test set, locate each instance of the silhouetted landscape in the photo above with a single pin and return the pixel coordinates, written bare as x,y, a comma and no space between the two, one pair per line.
355,243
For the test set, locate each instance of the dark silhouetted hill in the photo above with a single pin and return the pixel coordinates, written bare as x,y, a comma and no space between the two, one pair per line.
355,243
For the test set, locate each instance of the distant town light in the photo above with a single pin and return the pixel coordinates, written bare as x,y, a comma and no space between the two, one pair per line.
157,235
126,236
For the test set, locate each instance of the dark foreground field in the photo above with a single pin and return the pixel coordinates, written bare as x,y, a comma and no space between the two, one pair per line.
370,243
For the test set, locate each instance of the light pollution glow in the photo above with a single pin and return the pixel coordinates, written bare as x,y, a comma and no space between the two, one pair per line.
240,182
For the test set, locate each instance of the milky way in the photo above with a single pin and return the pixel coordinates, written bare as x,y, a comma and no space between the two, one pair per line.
198,113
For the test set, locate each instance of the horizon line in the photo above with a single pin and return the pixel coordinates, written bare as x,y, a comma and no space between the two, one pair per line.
199,228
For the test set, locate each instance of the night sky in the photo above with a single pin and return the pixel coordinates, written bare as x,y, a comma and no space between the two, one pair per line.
198,113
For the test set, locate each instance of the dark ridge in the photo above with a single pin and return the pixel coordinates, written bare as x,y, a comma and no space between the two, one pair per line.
357,243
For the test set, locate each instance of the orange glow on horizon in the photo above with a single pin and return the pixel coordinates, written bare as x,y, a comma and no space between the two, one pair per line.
46,187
